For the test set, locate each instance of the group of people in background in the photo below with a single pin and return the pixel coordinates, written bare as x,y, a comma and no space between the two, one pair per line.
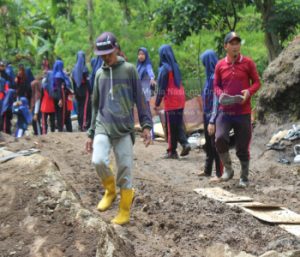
47,100
15,95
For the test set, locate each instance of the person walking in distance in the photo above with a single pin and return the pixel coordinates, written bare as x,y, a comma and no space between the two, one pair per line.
210,105
171,90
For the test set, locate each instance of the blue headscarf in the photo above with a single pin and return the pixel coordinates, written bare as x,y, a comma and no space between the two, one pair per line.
96,63
10,72
2,90
209,60
46,82
93,61
168,61
29,76
142,66
8,100
24,109
79,68
59,73
2,84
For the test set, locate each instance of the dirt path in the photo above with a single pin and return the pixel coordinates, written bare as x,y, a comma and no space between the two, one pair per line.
168,218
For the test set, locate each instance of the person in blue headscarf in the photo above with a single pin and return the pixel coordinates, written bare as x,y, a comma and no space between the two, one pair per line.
24,117
11,74
82,91
29,75
96,63
145,71
210,106
6,111
171,90
47,103
3,73
2,91
61,89
146,75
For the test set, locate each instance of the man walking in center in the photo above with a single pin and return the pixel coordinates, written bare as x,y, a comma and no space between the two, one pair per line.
236,80
116,89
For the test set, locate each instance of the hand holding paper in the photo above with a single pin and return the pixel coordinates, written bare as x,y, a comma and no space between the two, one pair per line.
226,99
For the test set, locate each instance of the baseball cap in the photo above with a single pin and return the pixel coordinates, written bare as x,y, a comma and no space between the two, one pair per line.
106,43
230,36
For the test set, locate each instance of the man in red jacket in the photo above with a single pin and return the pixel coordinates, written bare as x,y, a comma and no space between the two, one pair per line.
236,80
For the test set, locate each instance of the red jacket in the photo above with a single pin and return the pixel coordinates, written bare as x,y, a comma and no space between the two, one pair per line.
2,94
232,78
47,105
174,97
70,106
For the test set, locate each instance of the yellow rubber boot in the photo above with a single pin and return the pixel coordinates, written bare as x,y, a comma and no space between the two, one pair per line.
110,193
124,209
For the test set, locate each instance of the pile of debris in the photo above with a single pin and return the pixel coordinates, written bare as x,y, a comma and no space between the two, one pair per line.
286,138
192,117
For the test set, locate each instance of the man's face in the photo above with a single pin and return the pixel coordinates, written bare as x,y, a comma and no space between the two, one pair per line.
2,67
110,59
233,48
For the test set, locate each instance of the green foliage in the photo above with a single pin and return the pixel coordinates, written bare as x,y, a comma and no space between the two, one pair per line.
285,19
181,18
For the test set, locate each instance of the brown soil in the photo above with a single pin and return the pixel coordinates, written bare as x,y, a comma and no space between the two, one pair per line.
168,218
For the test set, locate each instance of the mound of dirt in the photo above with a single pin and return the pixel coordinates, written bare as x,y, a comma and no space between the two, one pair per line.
41,217
279,97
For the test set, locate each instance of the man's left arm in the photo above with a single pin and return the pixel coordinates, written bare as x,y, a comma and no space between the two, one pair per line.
254,77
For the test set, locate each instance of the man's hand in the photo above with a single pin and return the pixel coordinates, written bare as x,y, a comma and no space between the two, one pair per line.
89,145
211,129
60,103
246,95
147,137
35,117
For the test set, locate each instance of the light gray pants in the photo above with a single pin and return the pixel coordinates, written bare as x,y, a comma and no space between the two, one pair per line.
123,150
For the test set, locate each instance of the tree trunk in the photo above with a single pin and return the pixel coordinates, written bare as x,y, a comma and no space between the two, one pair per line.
272,43
16,40
90,16
69,10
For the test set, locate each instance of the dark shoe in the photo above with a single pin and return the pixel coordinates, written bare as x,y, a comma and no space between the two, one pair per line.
204,174
170,156
208,166
244,170
243,183
185,150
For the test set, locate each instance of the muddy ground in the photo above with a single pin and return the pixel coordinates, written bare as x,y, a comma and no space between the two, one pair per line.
168,218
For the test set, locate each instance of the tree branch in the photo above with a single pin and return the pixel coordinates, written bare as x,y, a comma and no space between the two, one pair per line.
234,15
